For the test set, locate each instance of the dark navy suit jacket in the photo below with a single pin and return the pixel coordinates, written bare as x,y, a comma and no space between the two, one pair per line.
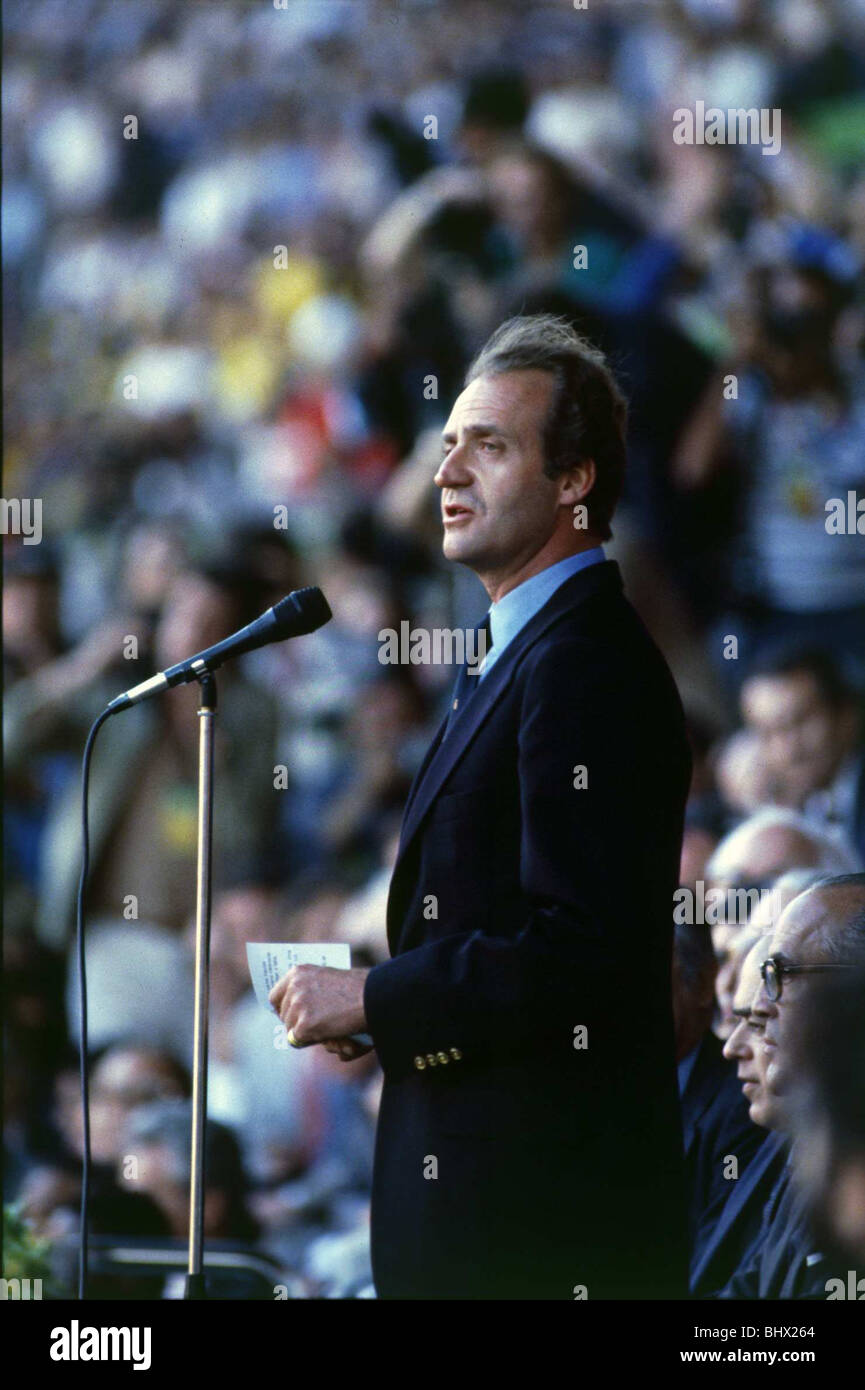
731,1228
785,1261
715,1126
517,1156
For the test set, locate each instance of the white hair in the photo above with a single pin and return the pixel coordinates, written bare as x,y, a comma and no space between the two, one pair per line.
834,853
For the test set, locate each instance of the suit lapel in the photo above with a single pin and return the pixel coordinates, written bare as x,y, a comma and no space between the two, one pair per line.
755,1172
444,753
702,1086
739,1198
427,759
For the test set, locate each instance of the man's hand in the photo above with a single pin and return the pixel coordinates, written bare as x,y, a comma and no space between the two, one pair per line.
320,1004
348,1049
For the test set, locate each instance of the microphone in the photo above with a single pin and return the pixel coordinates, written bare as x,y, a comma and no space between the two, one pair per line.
302,611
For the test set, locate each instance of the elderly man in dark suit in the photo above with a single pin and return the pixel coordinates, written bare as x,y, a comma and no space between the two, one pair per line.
715,1121
820,932
732,1226
529,1143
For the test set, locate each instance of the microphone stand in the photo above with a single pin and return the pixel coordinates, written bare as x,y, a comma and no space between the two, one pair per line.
195,1280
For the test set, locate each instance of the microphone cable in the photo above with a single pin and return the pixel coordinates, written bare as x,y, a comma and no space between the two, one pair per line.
82,997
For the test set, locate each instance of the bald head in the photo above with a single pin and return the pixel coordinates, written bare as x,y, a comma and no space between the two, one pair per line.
773,842
824,926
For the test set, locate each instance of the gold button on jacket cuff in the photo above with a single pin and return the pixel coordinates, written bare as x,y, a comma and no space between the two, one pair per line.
434,1059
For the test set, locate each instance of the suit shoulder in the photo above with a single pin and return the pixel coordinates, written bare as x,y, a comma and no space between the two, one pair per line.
603,645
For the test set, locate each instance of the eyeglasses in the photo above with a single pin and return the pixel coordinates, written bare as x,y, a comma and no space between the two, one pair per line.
775,968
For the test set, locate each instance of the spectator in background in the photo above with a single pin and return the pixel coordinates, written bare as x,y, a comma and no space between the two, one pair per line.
331,1194
715,1120
258,1085
732,941
143,805
730,956
139,985
32,644
772,842
31,612
807,723
796,430
827,1063
822,930
730,1227
763,854
34,1049
389,713
741,776
126,1077
158,1136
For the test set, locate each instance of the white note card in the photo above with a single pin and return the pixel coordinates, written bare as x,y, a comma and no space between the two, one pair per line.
268,962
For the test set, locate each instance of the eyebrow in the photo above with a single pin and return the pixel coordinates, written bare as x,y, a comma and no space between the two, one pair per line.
477,430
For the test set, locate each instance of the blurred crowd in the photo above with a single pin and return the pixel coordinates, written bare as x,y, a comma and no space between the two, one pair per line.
248,252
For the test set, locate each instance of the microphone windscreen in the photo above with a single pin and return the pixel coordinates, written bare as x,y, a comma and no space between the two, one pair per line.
302,611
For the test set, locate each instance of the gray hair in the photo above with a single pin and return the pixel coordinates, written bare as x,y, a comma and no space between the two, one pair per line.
588,412
834,854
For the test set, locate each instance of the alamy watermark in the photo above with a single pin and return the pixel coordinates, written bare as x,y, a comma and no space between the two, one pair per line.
22,516
439,646
77,1343
736,126
20,1289
716,907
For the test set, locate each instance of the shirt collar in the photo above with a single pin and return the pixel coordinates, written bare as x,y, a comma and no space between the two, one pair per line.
510,615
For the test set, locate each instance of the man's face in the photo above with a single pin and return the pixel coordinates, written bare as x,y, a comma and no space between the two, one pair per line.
732,944
800,939
731,950
498,507
123,1079
801,737
745,1044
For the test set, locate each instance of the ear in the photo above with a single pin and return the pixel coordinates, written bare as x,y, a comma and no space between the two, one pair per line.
577,483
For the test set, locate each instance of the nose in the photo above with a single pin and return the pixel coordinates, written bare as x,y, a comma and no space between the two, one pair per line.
734,1048
452,471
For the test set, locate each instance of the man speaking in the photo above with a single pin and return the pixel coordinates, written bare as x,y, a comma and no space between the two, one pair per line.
528,1142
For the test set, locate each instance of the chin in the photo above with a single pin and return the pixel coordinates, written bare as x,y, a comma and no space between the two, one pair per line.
453,550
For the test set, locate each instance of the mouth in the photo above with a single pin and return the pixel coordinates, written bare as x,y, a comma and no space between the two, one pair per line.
455,514
749,1087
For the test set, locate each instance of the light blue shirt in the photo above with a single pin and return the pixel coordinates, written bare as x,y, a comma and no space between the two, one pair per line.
509,616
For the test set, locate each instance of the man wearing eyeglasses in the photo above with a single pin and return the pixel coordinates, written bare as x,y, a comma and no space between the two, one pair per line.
820,932
730,1228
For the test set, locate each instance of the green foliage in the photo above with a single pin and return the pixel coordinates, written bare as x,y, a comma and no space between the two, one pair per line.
25,1255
